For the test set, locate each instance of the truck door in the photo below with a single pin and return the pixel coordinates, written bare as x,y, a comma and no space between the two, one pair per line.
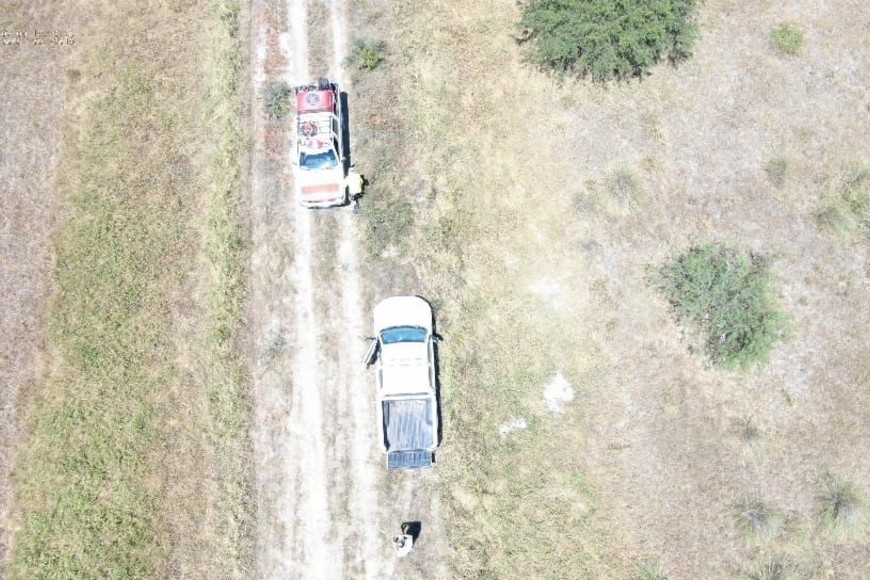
372,354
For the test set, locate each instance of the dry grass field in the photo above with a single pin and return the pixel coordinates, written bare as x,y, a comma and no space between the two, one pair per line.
31,81
532,211
586,433
131,455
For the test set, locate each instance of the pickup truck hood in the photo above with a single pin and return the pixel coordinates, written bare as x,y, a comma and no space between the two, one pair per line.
402,311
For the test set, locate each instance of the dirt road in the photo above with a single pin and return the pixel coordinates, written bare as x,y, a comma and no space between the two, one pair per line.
319,473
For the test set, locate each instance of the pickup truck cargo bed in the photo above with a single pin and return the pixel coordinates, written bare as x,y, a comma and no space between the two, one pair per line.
408,424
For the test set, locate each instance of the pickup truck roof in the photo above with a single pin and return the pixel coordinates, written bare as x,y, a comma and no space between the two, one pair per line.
405,369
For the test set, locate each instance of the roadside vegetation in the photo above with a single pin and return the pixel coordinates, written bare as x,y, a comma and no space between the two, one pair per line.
366,54
728,295
135,461
608,39
379,132
277,100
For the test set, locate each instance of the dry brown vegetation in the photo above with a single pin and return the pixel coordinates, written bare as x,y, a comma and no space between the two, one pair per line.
132,460
508,179
32,81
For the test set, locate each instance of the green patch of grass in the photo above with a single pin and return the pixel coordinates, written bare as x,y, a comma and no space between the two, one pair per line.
777,170
366,54
608,39
756,519
728,295
787,38
277,99
151,200
841,508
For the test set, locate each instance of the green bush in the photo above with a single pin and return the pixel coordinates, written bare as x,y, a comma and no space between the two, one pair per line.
366,54
787,38
607,39
727,294
277,99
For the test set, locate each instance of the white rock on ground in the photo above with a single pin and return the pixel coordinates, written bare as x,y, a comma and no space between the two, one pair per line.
557,393
513,427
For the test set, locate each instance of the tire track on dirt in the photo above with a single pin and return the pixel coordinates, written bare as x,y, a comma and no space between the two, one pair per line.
364,498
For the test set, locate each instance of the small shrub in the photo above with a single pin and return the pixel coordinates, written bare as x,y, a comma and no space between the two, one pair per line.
278,100
776,568
728,296
624,186
748,431
650,572
777,170
848,208
757,520
841,511
832,218
787,38
608,39
366,55
856,193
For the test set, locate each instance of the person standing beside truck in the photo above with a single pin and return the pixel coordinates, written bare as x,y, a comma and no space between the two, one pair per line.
355,183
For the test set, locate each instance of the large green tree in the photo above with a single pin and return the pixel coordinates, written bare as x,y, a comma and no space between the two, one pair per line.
607,39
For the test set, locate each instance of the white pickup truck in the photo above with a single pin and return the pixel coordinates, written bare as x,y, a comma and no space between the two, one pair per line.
404,348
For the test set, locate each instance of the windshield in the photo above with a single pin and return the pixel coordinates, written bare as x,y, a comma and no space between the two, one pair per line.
403,334
325,160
